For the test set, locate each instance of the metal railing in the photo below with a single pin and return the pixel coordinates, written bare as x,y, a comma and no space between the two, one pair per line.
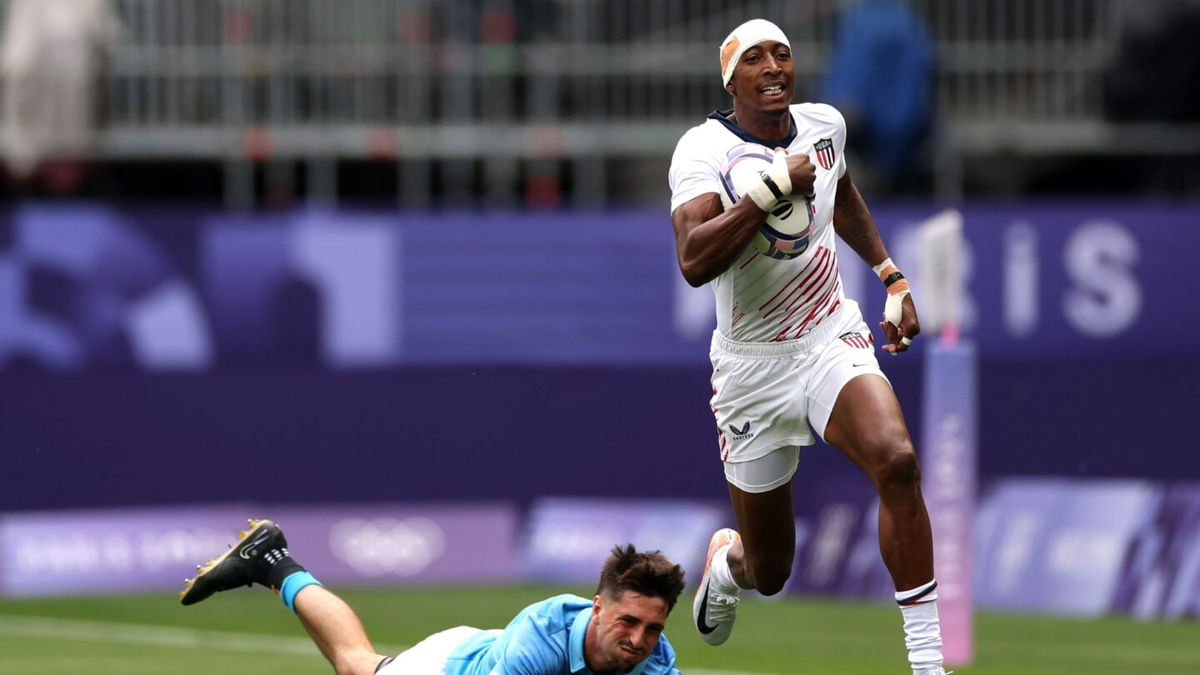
510,82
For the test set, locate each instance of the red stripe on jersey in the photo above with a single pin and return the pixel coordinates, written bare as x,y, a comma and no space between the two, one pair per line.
816,280
823,302
720,431
834,308
820,304
724,441
803,322
815,258
811,290
830,265
749,260
818,271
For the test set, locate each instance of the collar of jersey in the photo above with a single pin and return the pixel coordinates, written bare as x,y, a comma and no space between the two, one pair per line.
578,630
722,116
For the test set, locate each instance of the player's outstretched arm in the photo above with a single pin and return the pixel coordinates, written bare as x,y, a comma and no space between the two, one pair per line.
854,224
708,239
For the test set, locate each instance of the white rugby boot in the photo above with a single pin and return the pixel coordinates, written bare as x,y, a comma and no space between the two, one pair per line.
713,609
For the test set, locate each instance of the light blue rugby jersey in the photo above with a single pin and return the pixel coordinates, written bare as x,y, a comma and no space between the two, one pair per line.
545,638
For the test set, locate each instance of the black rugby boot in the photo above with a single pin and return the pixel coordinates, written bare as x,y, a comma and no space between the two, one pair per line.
247,562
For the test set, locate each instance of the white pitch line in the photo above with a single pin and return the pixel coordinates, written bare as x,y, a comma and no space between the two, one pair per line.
143,634
186,638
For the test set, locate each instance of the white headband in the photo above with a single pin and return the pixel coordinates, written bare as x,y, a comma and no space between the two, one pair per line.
745,36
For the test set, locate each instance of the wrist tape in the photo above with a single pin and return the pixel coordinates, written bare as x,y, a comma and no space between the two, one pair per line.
775,183
893,305
897,288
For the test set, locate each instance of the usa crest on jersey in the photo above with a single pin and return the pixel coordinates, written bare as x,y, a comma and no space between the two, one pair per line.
825,153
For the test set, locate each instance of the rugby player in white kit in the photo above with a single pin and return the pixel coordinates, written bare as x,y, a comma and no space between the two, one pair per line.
790,350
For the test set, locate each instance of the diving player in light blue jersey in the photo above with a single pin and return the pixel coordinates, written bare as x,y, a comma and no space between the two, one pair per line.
570,634
618,631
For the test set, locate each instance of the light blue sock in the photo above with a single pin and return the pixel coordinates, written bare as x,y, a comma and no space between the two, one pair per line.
292,585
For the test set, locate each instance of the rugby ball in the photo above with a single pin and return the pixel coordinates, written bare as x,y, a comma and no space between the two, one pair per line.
786,230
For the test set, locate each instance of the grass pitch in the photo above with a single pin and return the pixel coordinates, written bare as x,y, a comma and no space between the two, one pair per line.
251,631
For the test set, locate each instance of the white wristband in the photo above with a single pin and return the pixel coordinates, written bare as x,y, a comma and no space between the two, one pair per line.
878,269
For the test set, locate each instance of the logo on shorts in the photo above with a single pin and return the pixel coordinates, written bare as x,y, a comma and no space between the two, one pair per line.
856,339
739,434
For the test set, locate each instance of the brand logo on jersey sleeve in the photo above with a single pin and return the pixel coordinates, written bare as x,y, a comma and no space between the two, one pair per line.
825,153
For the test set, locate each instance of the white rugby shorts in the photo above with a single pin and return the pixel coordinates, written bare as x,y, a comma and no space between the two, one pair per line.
765,395
428,657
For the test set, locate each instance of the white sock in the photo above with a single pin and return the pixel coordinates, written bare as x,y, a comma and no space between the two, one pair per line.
720,573
922,632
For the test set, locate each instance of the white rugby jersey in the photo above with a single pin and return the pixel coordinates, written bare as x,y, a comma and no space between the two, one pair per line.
761,299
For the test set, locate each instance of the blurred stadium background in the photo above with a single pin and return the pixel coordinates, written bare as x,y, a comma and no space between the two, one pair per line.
400,275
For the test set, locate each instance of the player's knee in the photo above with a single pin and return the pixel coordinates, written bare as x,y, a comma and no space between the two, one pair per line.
898,468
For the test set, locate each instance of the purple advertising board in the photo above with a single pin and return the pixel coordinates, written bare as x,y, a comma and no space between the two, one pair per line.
1058,546
837,537
90,286
185,330
1050,545
111,550
569,538
1161,574
78,552
406,543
